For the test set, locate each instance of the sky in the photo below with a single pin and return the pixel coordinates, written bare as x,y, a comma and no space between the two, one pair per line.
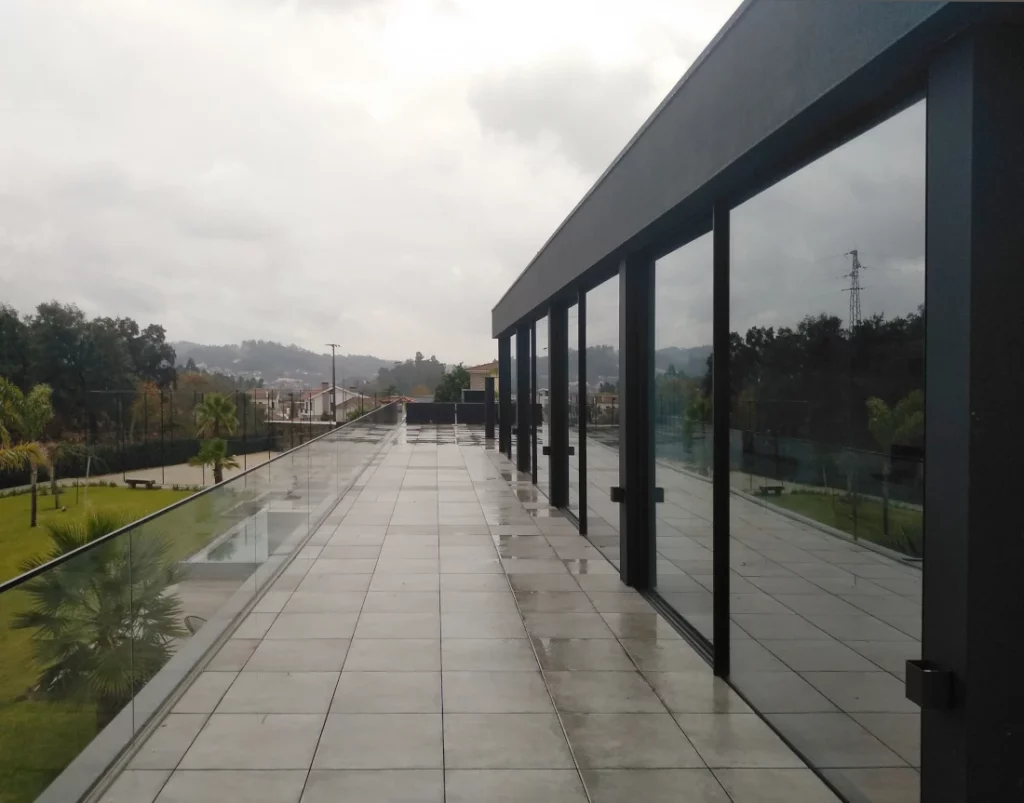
370,172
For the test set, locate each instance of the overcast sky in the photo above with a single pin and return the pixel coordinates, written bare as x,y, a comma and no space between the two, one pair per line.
373,172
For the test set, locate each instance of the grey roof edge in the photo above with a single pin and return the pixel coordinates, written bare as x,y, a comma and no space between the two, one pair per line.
697,62
896,30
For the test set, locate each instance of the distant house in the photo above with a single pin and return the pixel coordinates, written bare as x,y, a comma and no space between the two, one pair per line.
263,397
316,404
478,373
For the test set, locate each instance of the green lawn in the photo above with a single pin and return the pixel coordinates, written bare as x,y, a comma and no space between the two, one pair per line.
38,739
905,524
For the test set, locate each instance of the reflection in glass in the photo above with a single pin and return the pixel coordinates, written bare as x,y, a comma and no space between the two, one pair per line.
682,430
602,391
541,409
576,401
514,381
826,454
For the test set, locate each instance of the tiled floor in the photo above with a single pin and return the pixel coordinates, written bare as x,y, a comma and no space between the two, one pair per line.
822,626
447,637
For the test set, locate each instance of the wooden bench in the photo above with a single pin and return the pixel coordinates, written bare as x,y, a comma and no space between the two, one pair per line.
135,482
769,490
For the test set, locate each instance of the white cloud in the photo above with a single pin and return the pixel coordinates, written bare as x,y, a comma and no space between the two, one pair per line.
311,170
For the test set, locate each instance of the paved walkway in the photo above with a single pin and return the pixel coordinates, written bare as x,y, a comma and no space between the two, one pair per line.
446,636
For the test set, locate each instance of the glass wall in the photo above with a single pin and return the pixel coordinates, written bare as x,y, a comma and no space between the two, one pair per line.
602,454
577,398
682,430
514,384
826,455
541,410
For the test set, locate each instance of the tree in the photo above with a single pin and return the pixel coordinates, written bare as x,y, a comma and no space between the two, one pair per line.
103,623
901,424
14,455
14,356
214,453
29,414
145,409
191,367
216,416
452,383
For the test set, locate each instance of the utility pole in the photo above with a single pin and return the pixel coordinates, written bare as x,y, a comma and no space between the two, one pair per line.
334,386
854,289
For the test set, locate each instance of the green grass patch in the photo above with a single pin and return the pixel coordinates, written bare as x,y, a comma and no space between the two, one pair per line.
861,520
38,738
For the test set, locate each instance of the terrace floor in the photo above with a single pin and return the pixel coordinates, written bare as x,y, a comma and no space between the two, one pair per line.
445,636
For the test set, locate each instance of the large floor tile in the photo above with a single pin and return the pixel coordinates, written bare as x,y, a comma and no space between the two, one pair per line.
543,582
510,655
205,693
602,692
279,693
404,582
481,624
554,602
399,625
401,602
654,786
495,693
394,655
514,786
818,655
629,741
380,741
324,602
736,740
781,693
388,693
233,655
899,732
164,748
875,692
254,786
298,655
640,626
334,583
505,741
775,786
878,785
474,582
136,786
696,692
374,786
567,625
255,741
313,625
835,740
668,655
501,601
564,654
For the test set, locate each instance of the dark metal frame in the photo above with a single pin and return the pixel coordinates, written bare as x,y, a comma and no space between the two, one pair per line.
582,400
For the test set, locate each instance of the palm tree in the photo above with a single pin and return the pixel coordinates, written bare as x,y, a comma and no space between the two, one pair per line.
216,416
28,415
102,623
214,452
900,424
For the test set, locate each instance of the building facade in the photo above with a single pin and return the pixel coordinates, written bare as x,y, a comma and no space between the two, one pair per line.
824,507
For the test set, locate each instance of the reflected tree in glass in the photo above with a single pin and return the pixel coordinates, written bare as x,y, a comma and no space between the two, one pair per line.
104,622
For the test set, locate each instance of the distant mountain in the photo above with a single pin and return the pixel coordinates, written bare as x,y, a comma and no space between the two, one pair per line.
272,361
603,363
692,361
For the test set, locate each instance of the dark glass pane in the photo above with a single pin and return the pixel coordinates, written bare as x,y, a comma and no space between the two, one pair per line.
826,454
682,429
576,400
602,460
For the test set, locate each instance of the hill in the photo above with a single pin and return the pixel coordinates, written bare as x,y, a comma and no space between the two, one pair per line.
272,361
